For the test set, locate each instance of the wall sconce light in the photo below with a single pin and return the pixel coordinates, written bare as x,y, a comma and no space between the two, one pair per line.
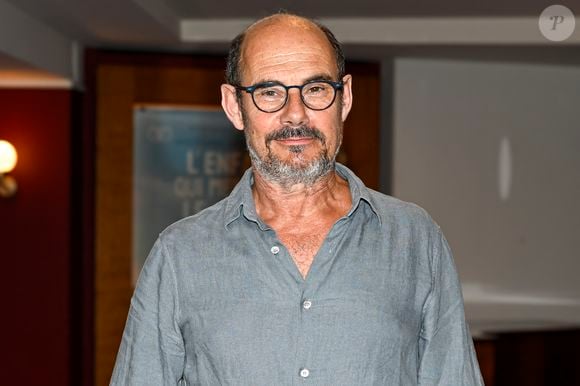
8,159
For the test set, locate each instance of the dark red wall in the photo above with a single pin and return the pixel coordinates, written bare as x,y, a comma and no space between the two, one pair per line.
35,245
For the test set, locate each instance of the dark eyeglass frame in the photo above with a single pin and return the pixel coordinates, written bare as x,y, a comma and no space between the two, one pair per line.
337,86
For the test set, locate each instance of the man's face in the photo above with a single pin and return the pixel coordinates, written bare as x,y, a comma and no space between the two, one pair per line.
296,144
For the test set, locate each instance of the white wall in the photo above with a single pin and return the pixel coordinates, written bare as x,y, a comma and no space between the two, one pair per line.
517,247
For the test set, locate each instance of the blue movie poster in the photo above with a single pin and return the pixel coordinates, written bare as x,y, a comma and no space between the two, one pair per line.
185,159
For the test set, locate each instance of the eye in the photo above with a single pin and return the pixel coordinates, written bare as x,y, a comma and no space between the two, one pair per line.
316,89
270,93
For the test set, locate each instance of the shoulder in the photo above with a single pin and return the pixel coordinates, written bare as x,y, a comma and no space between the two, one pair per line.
395,212
391,211
193,228
412,230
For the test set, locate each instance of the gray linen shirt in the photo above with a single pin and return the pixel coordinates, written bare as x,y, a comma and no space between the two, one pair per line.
221,302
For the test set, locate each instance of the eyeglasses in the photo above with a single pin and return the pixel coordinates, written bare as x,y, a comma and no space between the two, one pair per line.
270,97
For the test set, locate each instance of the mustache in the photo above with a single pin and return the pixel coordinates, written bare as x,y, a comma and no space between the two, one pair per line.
295,132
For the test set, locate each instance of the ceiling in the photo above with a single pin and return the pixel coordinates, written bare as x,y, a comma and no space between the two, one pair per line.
362,8
368,28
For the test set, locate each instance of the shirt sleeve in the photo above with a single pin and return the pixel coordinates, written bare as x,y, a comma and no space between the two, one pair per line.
152,349
446,352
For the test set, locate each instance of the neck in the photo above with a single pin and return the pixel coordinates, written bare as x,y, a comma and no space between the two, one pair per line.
282,202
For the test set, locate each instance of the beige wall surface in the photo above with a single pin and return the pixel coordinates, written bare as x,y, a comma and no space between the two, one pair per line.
492,151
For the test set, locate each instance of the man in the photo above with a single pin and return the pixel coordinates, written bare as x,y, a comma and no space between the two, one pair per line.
302,275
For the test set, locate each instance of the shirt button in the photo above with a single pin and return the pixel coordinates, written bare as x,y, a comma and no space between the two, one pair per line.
275,249
306,304
304,373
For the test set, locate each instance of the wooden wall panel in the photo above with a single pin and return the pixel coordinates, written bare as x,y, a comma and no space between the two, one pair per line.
361,142
548,358
178,85
116,88
487,361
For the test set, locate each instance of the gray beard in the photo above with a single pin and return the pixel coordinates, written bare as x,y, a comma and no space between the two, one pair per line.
286,174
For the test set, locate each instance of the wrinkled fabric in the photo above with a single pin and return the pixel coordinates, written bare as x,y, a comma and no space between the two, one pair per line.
221,302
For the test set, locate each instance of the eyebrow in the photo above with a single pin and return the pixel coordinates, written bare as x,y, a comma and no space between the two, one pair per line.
321,76
318,77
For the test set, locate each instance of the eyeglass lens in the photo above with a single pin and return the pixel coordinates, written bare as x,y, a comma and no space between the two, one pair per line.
315,95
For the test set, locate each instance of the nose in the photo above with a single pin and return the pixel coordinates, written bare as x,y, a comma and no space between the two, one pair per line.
294,112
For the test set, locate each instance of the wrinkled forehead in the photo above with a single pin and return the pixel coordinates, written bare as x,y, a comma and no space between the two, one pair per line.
290,42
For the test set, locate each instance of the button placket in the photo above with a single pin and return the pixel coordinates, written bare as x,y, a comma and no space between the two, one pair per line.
305,305
308,315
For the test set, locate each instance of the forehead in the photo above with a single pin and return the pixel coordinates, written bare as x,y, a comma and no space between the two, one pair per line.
286,50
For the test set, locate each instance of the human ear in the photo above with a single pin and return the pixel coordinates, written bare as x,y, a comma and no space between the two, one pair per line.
231,106
346,96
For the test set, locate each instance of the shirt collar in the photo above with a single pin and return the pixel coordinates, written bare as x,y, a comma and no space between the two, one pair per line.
358,191
241,201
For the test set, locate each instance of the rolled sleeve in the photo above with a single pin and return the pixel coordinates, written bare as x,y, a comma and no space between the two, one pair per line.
152,350
446,353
